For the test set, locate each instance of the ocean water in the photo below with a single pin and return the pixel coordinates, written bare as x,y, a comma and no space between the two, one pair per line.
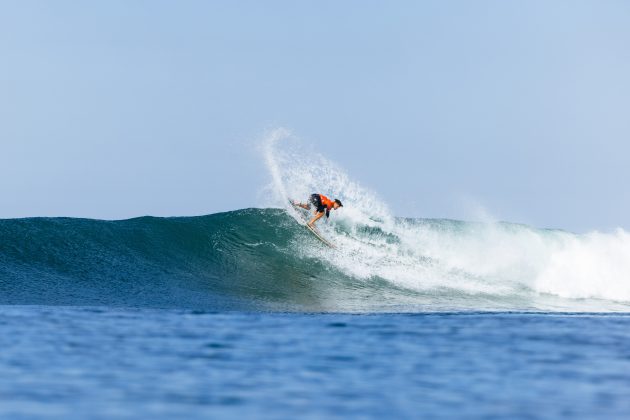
60,362
246,314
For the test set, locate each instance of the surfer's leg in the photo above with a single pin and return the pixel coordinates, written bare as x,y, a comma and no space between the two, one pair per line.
318,215
304,206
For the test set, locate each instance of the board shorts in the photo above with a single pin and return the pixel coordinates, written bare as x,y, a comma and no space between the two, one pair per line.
316,200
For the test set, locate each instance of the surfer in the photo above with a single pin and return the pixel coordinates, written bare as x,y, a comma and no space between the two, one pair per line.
322,204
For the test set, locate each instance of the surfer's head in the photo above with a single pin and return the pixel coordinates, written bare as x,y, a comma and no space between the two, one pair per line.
337,204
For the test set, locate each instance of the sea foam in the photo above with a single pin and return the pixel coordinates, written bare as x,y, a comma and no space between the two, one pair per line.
469,258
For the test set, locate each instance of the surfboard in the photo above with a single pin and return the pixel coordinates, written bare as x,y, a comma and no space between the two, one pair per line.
314,231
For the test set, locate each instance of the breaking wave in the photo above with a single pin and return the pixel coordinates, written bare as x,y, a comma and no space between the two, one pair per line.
261,259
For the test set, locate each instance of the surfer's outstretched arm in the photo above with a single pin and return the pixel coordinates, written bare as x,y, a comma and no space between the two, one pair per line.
315,219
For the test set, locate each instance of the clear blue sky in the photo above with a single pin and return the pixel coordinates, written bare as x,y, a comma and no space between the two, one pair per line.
114,109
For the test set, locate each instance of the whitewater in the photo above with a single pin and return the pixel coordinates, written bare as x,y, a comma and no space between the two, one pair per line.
482,265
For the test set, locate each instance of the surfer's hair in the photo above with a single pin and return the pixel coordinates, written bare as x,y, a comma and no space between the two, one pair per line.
338,202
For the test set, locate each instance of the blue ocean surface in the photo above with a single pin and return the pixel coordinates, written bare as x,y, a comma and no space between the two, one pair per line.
245,314
64,362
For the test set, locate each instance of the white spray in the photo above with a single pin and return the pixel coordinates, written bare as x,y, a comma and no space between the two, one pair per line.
495,259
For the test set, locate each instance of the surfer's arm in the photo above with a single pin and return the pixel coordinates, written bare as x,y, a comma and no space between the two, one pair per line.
315,219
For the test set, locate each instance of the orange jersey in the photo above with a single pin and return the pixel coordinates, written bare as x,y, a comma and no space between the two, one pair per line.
326,202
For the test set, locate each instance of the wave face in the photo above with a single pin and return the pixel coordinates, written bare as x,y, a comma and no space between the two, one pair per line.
261,259
239,260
